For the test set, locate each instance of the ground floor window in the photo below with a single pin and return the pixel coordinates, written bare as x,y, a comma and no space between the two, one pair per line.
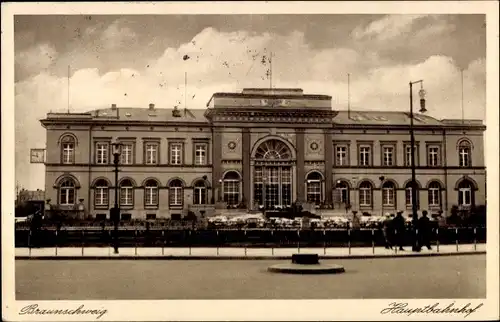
231,188
314,188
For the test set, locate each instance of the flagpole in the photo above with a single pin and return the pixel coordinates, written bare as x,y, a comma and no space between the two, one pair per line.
68,84
462,76
271,71
349,96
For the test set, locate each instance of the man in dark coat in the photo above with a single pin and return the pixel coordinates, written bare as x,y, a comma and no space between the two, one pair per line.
387,231
398,224
424,231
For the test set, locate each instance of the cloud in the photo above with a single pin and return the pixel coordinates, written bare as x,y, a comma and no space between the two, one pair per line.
229,61
387,27
35,59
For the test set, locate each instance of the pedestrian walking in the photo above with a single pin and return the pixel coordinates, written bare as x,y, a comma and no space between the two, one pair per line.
424,231
398,224
387,231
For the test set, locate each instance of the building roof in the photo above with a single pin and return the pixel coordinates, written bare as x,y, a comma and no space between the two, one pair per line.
149,115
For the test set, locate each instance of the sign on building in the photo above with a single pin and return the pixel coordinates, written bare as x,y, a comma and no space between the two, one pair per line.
37,156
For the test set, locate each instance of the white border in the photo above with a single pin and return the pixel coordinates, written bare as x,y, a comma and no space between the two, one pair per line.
255,309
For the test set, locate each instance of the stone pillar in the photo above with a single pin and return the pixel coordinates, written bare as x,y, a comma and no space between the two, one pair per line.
328,141
216,162
246,171
300,165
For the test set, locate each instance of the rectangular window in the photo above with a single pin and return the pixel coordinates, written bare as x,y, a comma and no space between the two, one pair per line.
465,196
150,216
388,155
388,196
341,155
101,196
433,156
100,217
464,156
151,153
151,196
365,197
434,197
200,154
408,155
126,217
127,153
176,153
68,155
364,155
102,152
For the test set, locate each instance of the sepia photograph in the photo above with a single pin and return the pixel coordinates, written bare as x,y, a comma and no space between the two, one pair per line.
196,155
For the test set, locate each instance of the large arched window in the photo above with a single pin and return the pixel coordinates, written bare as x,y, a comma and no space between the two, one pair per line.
68,149
126,193
434,194
409,194
388,194
273,149
342,192
199,193
101,193
464,153
176,193
67,192
465,193
314,188
151,193
231,188
365,194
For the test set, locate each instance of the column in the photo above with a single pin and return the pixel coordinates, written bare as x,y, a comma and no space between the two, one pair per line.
216,162
246,173
300,165
328,142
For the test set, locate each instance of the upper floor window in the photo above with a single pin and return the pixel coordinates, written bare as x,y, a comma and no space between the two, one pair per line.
464,153
151,153
102,152
101,193
175,193
365,194
408,154
176,153
126,193
388,155
433,158
199,193
364,155
67,192
388,194
200,154
341,156
68,149
127,153
151,193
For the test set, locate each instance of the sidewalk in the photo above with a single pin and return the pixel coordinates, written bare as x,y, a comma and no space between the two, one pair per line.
240,253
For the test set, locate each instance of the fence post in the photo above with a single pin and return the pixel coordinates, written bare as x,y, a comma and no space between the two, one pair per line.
437,239
56,241
245,233
396,239
475,239
456,233
29,243
272,243
190,243
217,242
324,242
135,240
349,239
83,240
298,241
373,241
109,246
163,244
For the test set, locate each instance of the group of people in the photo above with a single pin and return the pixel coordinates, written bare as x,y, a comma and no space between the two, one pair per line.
394,230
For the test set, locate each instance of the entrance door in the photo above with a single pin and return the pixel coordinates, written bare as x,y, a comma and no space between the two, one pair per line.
273,186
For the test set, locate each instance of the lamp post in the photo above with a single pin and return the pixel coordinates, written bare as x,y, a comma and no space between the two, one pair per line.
421,93
115,211
381,178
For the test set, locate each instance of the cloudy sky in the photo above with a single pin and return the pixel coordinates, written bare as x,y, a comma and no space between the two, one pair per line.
136,60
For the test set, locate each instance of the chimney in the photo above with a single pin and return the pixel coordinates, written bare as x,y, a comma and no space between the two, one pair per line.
113,106
151,106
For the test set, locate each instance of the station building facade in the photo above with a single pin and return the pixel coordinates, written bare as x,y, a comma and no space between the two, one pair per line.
260,148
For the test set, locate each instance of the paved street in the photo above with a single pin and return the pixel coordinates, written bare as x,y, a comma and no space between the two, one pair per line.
224,252
420,277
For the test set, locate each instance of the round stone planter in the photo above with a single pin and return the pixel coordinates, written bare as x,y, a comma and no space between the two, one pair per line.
306,264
